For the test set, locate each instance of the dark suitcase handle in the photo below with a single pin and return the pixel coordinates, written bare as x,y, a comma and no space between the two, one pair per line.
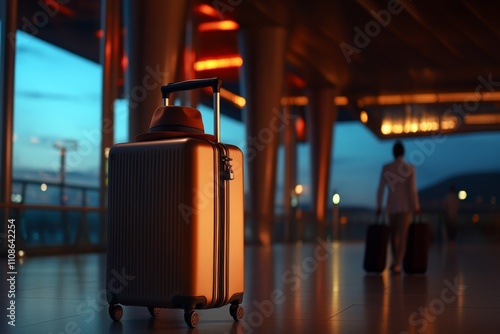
215,83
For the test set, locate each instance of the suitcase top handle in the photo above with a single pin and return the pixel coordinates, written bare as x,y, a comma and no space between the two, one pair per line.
215,83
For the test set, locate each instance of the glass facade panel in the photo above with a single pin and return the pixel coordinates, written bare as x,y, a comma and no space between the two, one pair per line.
121,121
57,108
57,143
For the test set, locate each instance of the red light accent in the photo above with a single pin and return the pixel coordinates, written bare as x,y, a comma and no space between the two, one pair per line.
300,128
99,33
124,62
189,57
296,81
56,7
207,10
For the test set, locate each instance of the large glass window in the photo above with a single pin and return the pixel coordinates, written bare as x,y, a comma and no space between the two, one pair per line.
57,143
57,110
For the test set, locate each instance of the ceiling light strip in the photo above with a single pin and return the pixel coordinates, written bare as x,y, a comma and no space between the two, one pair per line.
482,119
225,25
212,64
237,100
303,101
428,98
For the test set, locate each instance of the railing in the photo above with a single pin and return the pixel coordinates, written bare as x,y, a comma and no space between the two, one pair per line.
55,219
79,225
54,193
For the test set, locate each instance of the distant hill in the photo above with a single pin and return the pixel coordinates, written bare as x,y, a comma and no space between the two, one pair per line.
483,191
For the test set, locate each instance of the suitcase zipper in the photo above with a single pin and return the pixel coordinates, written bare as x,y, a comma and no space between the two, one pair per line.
228,175
228,172
224,173
215,287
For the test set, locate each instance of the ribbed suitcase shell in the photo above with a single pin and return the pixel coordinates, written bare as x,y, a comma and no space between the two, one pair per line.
377,236
165,228
417,249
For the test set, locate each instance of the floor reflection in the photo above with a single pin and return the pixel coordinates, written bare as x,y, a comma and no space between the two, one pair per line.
289,288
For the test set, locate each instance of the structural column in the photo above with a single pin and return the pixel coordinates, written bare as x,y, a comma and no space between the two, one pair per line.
321,115
110,61
263,52
290,171
187,59
8,17
154,39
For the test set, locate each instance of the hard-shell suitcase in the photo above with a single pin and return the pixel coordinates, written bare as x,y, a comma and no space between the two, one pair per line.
377,236
417,248
175,222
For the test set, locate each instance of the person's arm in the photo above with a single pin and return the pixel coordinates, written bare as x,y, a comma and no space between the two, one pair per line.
380,192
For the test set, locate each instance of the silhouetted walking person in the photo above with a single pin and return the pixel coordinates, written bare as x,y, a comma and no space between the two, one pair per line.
402,199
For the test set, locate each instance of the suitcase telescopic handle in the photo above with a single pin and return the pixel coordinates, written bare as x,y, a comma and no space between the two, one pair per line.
215,83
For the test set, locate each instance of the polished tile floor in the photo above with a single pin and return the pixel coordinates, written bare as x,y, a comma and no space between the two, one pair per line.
315,287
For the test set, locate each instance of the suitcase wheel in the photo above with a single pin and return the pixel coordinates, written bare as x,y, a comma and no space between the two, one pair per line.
154,311
115,312
191,317
236,312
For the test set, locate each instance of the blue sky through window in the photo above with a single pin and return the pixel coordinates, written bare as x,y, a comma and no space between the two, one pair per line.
57,98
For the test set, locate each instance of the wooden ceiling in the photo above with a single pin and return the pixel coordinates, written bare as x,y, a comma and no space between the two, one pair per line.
363,47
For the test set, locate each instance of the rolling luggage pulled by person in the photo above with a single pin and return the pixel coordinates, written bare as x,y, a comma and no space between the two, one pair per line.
417,248
377,236
175,215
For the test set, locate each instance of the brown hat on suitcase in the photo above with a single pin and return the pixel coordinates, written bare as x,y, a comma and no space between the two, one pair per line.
175,122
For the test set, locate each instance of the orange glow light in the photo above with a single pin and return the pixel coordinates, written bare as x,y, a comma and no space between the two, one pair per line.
340,100
212,64
303,101
363,116
218,26
234,98
294,100
207,10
